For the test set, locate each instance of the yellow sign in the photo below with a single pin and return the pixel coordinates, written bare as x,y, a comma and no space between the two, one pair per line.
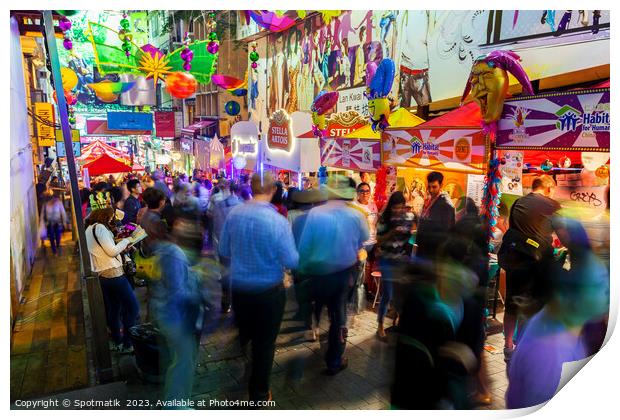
44,112
75,136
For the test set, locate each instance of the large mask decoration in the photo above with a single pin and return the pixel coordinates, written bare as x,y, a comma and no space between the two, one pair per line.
488,84
378,88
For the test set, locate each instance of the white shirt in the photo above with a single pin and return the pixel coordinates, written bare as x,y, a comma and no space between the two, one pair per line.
372,216
105,256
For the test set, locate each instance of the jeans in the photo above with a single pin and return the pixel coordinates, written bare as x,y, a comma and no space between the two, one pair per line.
332,290
357,292
120,302
387,294
181,349
258,318
53,234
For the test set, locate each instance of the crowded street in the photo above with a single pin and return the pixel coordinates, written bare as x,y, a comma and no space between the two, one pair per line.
307,209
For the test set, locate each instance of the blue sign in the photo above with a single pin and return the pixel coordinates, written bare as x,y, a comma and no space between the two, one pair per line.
62,152
130,120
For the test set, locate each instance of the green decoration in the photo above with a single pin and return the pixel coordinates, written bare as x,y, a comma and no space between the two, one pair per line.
213,36
110,56
254,56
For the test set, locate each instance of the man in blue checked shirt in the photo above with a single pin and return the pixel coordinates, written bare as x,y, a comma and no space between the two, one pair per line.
260,245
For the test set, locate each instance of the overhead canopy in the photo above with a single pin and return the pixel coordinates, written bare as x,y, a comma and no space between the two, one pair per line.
106,164
196,127
467,115
99,148
401,118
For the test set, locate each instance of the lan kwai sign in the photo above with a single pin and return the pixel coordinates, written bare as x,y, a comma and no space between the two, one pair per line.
280,135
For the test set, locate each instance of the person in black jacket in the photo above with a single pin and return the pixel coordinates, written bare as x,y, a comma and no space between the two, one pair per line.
436,219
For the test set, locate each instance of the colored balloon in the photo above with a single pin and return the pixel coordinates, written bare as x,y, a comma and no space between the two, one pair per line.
181,85
371,69
69,78
381,84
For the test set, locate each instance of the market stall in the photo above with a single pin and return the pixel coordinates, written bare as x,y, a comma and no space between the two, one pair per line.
106,164
453,144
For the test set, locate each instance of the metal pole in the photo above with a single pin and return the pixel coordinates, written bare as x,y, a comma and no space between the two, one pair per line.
103,362
50,37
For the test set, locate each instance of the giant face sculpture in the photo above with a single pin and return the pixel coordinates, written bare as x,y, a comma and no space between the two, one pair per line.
489,87
488,84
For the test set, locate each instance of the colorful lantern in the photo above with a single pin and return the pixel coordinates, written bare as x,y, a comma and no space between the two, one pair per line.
181,85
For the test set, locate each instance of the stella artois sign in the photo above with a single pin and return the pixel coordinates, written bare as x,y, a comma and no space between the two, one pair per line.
280,134
342,123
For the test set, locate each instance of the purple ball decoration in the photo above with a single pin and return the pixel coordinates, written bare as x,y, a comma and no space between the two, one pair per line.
67,43
213,47
187,66
64,24
187,54
254,65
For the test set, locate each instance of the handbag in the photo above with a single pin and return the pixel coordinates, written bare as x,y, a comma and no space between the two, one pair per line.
147,267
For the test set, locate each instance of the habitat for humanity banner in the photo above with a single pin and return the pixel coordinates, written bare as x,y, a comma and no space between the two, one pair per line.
456,149
353,154
577,121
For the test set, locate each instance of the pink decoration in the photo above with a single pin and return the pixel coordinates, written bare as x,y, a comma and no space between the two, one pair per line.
213,47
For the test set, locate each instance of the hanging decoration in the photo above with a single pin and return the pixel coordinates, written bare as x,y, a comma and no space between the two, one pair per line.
213,46
254,57
147,60
108,91
491,195
322,104
380,195
232,108
271,21
125,35
69,78
181,85
493,68
187,55
377,91
65,26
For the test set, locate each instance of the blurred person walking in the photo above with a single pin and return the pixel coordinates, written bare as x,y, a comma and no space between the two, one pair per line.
53,219
394,230
260,245
554,335
331,239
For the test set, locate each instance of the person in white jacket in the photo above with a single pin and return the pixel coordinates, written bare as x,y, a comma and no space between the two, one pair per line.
107,261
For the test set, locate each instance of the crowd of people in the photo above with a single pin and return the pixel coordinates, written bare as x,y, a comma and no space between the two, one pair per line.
245,237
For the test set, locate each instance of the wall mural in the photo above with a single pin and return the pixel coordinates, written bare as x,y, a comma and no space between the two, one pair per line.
433,51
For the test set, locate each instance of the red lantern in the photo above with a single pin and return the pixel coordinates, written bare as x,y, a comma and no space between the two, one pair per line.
181,85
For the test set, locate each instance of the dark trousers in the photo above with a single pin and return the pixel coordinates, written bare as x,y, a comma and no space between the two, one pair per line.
258,318
225,280
120,302
332,290
53,234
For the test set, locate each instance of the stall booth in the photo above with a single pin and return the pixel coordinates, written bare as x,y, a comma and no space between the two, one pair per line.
452,144
350,154
290,147
359,150
244,147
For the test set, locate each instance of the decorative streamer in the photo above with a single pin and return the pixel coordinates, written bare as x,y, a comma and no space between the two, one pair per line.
491,195
254,57
380,196
187,55
65,26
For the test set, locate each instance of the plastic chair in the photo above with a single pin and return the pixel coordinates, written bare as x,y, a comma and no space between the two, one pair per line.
376,277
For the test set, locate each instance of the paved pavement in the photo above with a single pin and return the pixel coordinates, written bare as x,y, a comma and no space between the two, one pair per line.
297,379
